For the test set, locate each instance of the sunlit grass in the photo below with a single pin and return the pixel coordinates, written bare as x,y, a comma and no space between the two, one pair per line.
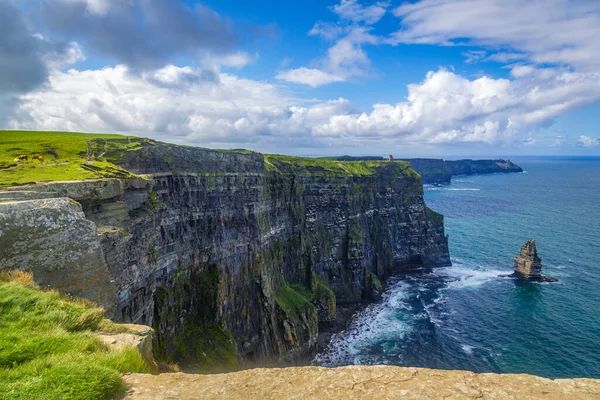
49,348
67,156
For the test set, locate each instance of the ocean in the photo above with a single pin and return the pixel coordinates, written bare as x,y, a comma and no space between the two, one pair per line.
466,316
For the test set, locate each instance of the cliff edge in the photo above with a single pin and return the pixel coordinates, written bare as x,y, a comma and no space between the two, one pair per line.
234,258
357,382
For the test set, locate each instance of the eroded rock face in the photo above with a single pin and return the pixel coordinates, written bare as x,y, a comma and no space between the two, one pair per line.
357,382
53,239
236,265
528,265
137,336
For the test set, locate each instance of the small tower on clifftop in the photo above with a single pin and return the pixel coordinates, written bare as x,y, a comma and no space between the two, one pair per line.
390,158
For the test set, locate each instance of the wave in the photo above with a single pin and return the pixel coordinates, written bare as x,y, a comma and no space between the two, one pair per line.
467,349
377,324
461,277
452,189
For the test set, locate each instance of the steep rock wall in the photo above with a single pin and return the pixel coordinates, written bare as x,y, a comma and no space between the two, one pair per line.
53,239
470,167
432,171
235,261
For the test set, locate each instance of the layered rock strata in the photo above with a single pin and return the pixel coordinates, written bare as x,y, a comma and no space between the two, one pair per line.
441,171
232,257
528,265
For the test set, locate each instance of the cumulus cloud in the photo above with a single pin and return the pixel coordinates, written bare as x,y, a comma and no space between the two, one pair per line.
26,57
142,34
172,103
587,141
179,104
447,108
560,32
309,76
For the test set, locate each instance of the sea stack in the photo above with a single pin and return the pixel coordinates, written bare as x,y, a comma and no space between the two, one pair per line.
528,265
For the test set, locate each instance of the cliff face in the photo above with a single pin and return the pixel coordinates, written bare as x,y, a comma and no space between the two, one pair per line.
235,258
432,171
470,167
438,171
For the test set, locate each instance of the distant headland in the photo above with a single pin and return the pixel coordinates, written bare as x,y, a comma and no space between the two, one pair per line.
439,171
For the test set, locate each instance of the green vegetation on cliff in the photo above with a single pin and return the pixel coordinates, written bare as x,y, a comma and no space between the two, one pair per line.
49,348
199,344
66,156
293,300
80,156
327,167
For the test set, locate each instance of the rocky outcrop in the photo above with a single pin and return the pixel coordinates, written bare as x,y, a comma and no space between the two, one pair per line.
438,171
53,239
357,382
432,171
471,167
528,266
235,259
137,336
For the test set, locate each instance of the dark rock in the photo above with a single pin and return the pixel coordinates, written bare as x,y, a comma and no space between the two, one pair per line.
238,265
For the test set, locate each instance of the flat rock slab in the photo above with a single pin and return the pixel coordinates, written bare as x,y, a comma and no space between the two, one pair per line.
356,382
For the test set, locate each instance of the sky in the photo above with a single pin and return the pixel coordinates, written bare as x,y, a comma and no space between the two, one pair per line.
317,77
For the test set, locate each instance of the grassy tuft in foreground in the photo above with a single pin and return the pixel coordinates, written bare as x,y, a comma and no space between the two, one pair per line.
49,349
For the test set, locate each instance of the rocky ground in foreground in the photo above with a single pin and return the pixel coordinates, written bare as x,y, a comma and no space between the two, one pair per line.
357,382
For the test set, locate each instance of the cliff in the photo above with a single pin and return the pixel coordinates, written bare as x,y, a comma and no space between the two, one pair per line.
234,258
439,171
471,167
357,382
432,171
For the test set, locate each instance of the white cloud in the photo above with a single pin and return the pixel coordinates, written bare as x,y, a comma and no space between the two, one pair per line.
345,59
179,104
352,10
447,108
237,59
560,32
99,7
520,71
173,103
587,141
326,30
309,76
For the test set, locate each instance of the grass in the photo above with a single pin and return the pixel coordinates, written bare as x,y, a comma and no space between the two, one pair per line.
67,156
80,156
49,348
292,302
331,166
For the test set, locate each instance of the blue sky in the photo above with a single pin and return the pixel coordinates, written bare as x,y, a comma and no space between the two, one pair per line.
425,78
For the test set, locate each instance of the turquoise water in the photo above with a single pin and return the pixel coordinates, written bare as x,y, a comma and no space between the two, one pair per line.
465,316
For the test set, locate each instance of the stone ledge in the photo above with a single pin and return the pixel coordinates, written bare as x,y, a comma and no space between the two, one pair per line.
356,382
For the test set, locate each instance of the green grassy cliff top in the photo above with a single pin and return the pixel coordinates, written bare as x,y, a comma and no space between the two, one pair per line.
332,166
67,156
81,156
